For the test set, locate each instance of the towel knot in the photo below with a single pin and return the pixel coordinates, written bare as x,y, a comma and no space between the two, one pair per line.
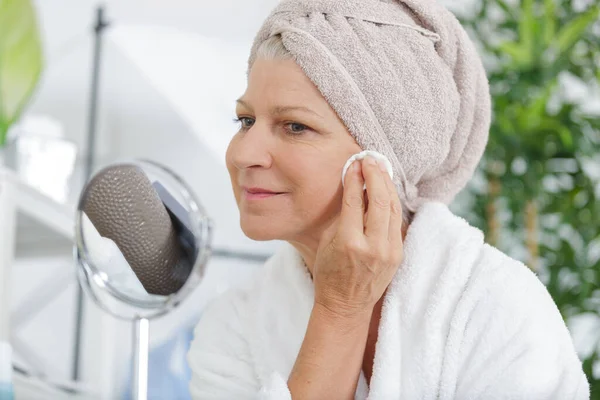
378,13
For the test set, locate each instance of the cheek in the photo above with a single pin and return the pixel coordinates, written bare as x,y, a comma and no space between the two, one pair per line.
233,171
321,185
229,152
327,171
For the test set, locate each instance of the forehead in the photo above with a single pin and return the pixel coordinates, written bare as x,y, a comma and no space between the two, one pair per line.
274,81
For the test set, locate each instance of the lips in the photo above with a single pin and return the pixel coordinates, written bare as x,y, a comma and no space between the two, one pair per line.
259,191
255,193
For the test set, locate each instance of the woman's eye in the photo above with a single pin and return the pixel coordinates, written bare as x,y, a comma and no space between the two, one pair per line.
245,122
296,128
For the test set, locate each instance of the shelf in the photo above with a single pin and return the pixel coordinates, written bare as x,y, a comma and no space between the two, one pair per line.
59,217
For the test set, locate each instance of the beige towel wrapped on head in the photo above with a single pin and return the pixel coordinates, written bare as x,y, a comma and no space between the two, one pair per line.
403,76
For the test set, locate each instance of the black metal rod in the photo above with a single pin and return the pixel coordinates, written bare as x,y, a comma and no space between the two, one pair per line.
101,24
99,27
240,255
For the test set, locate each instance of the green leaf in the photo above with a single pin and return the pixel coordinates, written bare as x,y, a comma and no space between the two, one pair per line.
527,26
539,105
3,131
531,117
572,32
549,29
21,59
563,133
506,8
519,54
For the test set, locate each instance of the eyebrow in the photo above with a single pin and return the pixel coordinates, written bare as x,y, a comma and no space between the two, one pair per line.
283,109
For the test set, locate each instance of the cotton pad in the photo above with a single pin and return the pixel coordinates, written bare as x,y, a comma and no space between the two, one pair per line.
363,154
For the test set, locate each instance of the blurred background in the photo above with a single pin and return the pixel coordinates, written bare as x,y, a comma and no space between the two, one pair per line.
157,80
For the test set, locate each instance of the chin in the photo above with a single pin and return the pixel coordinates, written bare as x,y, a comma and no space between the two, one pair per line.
258,231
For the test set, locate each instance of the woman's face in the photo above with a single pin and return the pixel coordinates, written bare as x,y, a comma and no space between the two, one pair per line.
290,142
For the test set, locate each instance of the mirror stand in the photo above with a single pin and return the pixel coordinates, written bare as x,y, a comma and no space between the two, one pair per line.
140,346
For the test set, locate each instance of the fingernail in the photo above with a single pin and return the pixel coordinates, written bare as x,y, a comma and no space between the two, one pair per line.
382,166
370,160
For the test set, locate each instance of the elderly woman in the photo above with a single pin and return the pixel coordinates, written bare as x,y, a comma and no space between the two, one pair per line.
384,293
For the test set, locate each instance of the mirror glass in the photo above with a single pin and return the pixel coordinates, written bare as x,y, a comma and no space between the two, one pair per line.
142,239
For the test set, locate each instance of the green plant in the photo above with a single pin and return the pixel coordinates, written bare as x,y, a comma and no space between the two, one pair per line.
21,60
536,194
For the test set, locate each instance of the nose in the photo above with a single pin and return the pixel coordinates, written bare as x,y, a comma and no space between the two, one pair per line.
251,149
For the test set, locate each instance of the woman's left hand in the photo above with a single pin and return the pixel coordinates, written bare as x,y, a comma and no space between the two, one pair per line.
356,260
359,254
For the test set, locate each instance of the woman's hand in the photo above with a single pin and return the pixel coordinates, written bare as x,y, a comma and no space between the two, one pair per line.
360,253
355,262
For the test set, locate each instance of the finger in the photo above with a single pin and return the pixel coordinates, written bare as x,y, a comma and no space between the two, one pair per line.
378,213
395,227
351,216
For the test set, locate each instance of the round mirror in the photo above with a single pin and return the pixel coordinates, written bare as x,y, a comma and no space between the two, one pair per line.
142,239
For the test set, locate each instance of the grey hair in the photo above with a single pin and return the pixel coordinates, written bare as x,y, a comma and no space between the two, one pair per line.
274,49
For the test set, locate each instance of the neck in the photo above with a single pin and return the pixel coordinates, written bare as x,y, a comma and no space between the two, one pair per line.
308,248
308,252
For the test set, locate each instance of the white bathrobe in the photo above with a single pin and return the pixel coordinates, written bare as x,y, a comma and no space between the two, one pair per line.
460,320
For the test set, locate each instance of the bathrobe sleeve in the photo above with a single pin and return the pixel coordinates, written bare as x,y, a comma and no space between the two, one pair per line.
515,344
220,359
